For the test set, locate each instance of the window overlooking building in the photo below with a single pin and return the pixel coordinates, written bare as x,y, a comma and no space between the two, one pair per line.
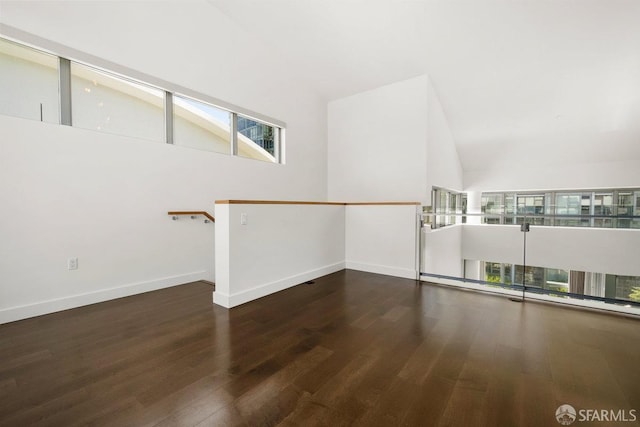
628,206
41,86
29,83
447,208
555,281
530,275
572,206
536,277
531,206
493,272
492,208
260,133
601,208
627,288
257,140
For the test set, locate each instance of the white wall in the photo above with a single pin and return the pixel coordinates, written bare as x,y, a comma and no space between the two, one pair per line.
521,175
395,143
377,144
281,245
382,239
391,143
69,192
441,248
74,193
442,251
443,164
612,251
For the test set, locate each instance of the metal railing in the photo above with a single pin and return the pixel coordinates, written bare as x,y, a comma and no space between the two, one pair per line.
534,289
609,288
175,215
442,219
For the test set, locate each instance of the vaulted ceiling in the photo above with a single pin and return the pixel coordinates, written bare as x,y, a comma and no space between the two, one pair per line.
549,80
563,75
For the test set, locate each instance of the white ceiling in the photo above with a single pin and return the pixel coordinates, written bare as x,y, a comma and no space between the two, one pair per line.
546,80
547,73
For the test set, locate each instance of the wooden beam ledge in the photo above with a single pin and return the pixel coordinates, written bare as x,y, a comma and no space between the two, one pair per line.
285,202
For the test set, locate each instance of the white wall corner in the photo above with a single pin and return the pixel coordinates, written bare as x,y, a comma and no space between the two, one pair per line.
245,296
371,157
382,239
221,299
444,168
387,270
222,249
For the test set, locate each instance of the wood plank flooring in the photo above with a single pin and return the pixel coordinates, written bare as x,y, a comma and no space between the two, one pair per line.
352,349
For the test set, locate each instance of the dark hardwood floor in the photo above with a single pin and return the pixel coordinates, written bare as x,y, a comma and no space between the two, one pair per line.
352,349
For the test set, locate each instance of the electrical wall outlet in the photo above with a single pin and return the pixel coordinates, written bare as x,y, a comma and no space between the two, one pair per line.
72,263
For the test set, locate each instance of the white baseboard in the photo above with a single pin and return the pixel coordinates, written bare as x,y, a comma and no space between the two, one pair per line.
405,273
598,305
221,299
472,286
12,314
260,291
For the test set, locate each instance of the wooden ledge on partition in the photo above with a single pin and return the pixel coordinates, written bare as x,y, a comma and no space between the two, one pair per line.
285,202
205,214
383,203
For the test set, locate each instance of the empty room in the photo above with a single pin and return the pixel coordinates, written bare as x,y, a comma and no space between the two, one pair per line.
319,213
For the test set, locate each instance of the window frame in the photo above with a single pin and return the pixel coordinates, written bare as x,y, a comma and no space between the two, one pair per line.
588,216
67,56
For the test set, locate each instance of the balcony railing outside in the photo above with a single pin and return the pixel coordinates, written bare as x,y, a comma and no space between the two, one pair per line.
519,279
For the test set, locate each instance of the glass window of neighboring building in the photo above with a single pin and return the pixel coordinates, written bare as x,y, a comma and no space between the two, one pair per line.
29,83
107,103
570,205
492,272
447,208
530,206
557,279
200,125
602,207
492,208
257,140
453,207
628,288
636,211
625,208
442,208
495,272
534,276
625,202
508,274
557,275
509,208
